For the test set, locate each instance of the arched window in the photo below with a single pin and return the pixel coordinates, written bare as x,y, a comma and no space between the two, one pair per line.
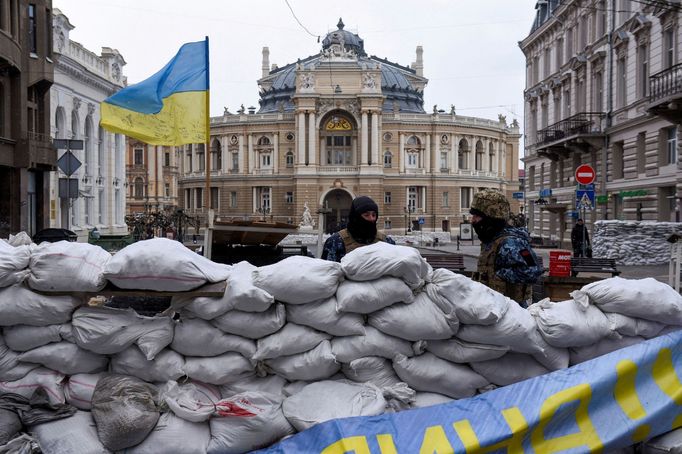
60,123
388,159
337,135
263,141
413,141
479,155
139,188
216,155
463,154
290,159
491,157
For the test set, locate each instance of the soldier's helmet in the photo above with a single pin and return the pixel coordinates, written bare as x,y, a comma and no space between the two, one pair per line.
491,203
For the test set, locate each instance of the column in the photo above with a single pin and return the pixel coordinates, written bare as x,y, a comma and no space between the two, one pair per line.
312,142
375,138
454,146
300,138
241,153
427,154
435,153
363,140
401,152
252,160
275,153
486,156
223,154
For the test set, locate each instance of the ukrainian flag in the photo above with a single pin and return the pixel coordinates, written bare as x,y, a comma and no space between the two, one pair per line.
169,108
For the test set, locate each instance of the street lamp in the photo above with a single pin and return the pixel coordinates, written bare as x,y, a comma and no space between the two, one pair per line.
263,211
408,217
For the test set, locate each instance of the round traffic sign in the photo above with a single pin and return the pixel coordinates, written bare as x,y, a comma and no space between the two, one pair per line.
584,174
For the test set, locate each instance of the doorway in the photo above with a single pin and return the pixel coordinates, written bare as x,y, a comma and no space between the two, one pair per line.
338,201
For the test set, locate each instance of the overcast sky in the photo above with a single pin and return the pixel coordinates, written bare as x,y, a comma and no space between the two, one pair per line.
471,53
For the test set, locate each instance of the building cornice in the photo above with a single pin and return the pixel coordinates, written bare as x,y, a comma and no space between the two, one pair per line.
79,72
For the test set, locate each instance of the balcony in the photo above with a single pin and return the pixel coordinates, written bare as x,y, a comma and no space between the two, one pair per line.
338,170
665,94
39,151
581,132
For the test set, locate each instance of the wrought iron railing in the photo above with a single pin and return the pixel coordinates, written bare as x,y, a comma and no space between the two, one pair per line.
665,83
582,123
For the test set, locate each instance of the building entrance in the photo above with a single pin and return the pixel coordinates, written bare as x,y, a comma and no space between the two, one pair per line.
338,201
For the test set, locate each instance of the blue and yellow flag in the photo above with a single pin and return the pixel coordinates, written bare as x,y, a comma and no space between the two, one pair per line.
169,108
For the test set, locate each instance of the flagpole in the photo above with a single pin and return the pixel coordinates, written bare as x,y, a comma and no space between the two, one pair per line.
207,156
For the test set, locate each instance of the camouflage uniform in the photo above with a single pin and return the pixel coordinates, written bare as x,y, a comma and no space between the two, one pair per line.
507,263
340,243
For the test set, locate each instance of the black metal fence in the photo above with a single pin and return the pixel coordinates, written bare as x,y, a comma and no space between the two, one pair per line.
665,83
582,123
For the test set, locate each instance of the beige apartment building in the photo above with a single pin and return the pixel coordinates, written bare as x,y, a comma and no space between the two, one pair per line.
604,88
340,124
151,177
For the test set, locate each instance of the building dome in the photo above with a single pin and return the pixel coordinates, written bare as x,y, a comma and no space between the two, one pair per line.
350,41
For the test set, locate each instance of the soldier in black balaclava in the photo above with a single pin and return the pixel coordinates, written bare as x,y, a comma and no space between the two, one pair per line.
360,231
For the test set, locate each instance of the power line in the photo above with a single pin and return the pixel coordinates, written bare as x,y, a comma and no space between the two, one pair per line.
299,22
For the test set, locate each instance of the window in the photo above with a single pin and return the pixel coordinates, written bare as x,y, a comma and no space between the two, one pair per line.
671,145
582,33
567,103
601,18
289,198
188,198
263,141
32,29
166,159
465,198
668,47
387,223
100,206
233,199
387,198
618,161
641,152
412,198
530,179
446,199
569,42
48,33
139,188
188,159
443,160
621,82
413,141
388,159
201,159
642,70
546,62
266,160
88,209
544,121
463,154
559,53
166,190
412,160
138,153
479,155
199,197
289,159
235,162
339,150
491,157
100,151
262,198
216,155
625,9
215,198
598,92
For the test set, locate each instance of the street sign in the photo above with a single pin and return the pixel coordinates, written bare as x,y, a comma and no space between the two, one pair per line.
584,174
68,144
547,192
68,164
517,195
421,219
584,200
68,188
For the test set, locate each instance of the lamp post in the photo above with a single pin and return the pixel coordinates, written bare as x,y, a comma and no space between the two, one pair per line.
408,218
263,211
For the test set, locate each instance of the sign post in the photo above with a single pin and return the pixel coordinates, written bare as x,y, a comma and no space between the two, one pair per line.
68,164
584,198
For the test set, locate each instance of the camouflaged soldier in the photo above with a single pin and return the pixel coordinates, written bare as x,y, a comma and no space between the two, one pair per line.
507,263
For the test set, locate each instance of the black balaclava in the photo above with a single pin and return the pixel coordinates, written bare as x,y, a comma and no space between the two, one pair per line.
361,230
488,228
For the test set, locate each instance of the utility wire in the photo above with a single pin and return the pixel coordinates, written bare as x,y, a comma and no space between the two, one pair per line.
299,22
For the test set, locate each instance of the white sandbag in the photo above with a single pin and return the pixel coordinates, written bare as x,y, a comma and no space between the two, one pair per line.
272,384
66,358
79,388
197,337
371,369
419,320
21,338
313,279
174,434
569,324
640,298
167,365
668,443
218,370
458,351
473,302
381,259
20,239
629,326
49,380
424,399
290,340
13,264
11,368
511,368
246,422
427,372
76,434
604,346
21,306
252,325
370,296
323,316
107,330
372,343
67,267
316,364
163,265
193,401
340,400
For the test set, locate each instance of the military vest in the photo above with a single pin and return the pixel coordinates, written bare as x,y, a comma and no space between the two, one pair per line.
350,243
486,275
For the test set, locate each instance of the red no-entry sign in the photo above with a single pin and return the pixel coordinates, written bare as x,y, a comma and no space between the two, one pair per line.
584,174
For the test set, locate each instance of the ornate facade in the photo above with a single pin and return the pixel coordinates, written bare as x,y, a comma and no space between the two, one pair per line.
82,80
340,124
152,177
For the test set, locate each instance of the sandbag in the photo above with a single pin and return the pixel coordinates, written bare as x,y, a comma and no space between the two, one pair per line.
569,324
67,267
124,409
371,369
473,302
313,280
246,422
74,435
381,259
424,399
250,325
458,351
167,365
290,340
10,367
327,400
193,401
316,364
419,320
218,370
20,239
163,265
604,346
197,337
174,434
372,343
323,316
10,425
370,296
108,330
640,298
668,443
79,388
49,380
427,372
66,358
511,368
629,326
271,384
13,264
21,306
21,338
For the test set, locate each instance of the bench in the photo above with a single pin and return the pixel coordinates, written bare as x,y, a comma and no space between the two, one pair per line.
452,262
593,265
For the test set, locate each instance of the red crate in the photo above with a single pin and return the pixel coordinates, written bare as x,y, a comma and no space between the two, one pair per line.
560,263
